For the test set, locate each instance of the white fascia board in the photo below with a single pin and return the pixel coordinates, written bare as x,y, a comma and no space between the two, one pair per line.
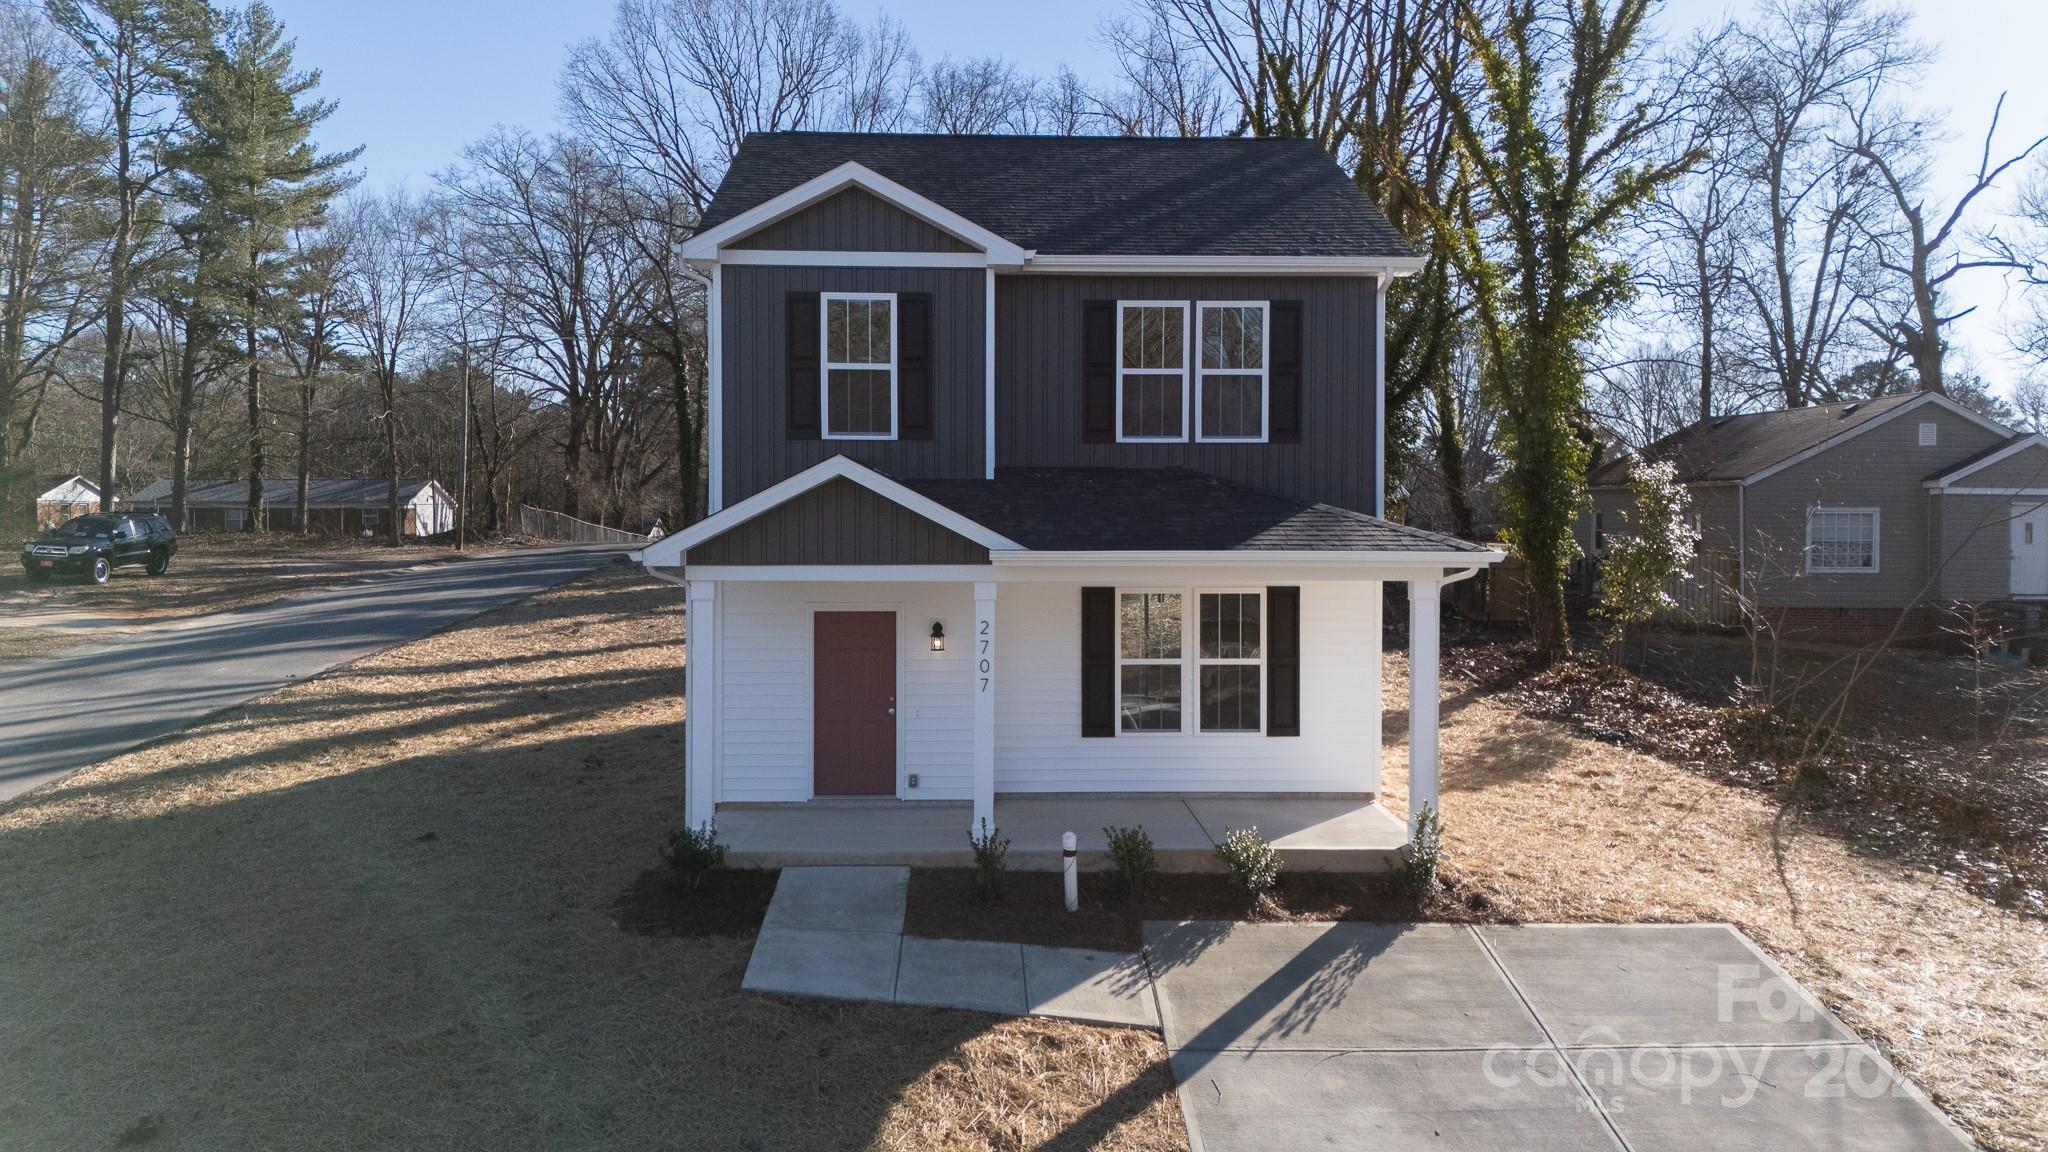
705,245
1991,492
798,258
1947,478
1087,265
668,551
1840,438
1248,557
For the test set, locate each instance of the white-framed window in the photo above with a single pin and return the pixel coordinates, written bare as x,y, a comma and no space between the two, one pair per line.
1841,539
857,387
1149,660
1231,370
1211,639
1230,664
1930,433
1151,370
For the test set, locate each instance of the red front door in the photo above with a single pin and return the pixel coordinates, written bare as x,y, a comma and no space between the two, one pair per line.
853,729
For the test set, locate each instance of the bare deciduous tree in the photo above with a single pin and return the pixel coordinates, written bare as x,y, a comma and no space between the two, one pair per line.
387,285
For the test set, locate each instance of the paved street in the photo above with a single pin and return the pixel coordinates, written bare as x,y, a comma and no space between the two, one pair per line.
64,712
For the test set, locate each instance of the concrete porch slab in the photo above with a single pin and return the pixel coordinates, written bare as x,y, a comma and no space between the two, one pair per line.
1225,985
1271,1101
1079,984
1842,1097
814,962
1611,985
1337,833
975,974
839,899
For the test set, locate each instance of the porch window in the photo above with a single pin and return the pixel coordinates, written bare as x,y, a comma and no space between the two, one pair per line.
1230,384
859,366
1841,540
1152,371
1149,661
1228,660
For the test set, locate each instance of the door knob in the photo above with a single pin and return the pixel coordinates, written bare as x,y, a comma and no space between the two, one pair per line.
892,711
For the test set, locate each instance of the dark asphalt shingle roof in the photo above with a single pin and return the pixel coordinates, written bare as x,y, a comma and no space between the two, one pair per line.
1095,195
1740,446
343,492
1978,457
1165,510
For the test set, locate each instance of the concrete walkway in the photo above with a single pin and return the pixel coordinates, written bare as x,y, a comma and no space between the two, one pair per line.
1644,1038
837,932
80,706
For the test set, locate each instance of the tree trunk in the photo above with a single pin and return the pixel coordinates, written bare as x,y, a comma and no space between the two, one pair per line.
395,531
572,456
1449,443
181,433
255,398
304,519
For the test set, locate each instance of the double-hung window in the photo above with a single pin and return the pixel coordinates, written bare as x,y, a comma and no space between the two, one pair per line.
1152,370
1226,659
1841,539
1149,661
859,362
1230,377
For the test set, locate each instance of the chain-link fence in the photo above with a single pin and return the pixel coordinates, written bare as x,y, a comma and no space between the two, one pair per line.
547,525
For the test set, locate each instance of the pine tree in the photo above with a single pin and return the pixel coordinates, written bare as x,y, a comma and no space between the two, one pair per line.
251,166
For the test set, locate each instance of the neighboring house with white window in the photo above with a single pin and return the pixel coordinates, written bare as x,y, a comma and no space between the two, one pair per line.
1840,520
1046,468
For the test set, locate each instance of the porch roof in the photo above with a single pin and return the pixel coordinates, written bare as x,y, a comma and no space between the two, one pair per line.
1166,510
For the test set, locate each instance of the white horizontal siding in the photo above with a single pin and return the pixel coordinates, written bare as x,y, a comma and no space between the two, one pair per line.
765,677
1039,746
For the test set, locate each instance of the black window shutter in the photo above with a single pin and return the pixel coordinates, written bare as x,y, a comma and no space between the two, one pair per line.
1283,661
1098,371
1098,661
1284,376
914,366
802,354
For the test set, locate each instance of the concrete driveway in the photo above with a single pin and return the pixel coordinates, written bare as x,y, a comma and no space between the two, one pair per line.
1646,1038
79,707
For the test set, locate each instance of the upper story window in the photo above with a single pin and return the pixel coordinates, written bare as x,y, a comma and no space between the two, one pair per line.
859,360
1230,383
1152,370
1841,540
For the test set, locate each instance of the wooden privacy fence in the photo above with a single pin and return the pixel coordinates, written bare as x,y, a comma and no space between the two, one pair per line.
1709,596
547,525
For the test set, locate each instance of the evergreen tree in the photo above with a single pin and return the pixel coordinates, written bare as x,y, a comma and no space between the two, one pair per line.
252,167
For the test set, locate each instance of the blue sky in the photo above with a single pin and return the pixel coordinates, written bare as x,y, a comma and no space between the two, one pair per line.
418,80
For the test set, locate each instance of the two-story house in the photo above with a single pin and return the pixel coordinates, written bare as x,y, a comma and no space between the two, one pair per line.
1046,466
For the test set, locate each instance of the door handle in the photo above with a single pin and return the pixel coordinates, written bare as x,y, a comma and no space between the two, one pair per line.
892,711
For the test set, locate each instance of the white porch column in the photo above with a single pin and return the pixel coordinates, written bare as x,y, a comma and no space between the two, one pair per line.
1424,616
700,695
983,666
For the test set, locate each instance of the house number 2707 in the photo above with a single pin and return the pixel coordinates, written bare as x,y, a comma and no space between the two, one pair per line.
983,628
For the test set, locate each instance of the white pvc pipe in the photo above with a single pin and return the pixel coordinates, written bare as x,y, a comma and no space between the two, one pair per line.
1067,849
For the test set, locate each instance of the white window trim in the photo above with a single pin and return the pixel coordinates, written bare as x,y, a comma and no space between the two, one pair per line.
826,365
1166,662
1191,663
1265,373
1183,372
1201,661
1876,539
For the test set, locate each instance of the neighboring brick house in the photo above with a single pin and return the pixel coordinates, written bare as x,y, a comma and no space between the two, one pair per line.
1045,466
1840,520
62,497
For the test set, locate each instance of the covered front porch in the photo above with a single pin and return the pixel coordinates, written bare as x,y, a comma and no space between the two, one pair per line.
1312,833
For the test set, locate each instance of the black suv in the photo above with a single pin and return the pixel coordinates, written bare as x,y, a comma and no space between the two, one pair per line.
96,544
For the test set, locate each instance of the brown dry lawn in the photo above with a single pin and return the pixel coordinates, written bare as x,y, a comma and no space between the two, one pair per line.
1555,827
213,572
374,910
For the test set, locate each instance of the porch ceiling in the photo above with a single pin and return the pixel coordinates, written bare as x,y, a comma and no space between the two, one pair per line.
1313,834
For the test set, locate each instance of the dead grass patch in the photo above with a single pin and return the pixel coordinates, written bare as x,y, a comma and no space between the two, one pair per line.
377,909
1555,826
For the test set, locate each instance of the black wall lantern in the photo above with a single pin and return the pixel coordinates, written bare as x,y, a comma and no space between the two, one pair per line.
938,635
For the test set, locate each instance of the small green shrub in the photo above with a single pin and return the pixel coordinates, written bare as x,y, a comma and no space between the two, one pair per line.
1130,849
1254,864
1417,874
990,853
694,853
